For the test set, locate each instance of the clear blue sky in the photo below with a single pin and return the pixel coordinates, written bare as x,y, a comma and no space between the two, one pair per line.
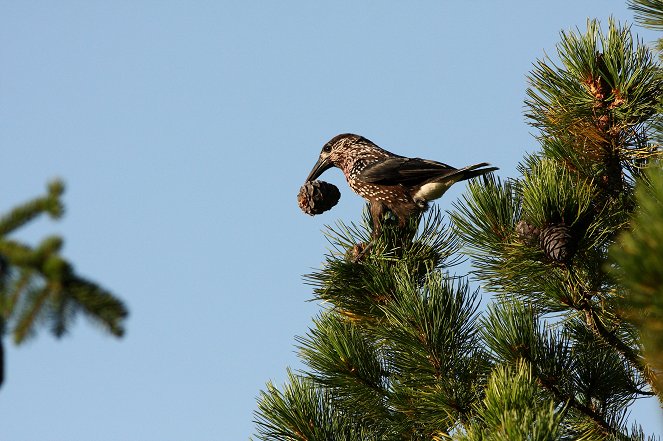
183,131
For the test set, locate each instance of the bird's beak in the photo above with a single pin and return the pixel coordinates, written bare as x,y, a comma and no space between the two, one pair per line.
319,168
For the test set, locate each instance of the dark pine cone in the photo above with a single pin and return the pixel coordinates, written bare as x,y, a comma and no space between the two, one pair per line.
527,232
317,197
556,242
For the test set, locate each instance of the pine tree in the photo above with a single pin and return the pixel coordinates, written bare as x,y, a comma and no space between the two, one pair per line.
638,253
398,352
38,287
571,251
545,237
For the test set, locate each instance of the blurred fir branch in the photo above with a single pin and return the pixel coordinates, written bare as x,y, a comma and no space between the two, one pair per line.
648,13
38,287
637,259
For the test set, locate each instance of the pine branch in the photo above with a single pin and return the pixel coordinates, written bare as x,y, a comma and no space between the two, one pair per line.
514,408
632,356
572,402
357,287
38,285
97,303
11,295
600,104
26,212
648,13
2,352
304,412
636,263
26,321
513,333
431,338
347,360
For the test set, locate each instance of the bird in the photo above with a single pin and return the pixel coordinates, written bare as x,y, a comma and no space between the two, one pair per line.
389,182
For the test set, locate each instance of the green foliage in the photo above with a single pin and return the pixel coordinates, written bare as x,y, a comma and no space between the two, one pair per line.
596,114
398,348
400,351
499,209
598,108
549,194
359,286
515,409
346,361
485,220
638,259
608,83
432,344
512,260
304,411
648,13
39,287
21,215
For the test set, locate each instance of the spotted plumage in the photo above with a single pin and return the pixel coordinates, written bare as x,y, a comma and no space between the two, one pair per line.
390,182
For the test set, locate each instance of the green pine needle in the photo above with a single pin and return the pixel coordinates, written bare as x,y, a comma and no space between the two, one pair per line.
39,287
648,13
304,412
638,259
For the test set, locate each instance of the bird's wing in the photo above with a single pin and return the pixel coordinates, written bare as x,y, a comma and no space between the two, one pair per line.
406,171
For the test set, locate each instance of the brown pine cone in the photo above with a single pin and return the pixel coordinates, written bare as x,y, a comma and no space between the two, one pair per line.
527,232
316,197
556,242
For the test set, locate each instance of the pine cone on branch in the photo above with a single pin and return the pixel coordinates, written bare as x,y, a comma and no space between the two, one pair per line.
316,197
556,242
527,232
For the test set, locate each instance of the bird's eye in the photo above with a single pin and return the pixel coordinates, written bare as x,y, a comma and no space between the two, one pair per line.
326,149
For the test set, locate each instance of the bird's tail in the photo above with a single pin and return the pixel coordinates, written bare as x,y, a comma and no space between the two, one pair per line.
469,172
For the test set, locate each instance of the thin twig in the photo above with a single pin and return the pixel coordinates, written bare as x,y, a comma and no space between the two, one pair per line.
586,410
595,323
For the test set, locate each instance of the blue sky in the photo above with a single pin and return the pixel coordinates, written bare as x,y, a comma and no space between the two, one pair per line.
183,131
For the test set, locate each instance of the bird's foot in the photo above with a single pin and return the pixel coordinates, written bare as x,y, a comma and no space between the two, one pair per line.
357,252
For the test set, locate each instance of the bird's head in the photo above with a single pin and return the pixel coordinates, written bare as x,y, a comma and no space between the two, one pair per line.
337,152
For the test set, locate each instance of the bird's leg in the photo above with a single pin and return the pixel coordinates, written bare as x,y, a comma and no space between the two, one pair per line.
399,224
359,250
377,211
